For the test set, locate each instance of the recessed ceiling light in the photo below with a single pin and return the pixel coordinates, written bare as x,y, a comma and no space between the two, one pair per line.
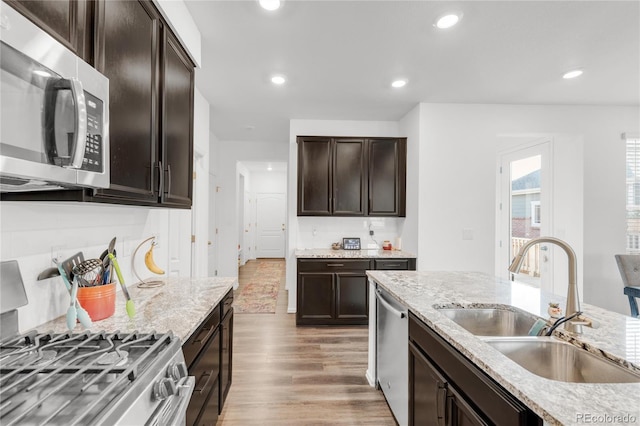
269,168
249,127
270,4
278,79
448,21
572,74
399,83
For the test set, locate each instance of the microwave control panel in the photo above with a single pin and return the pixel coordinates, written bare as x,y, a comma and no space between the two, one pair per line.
93,153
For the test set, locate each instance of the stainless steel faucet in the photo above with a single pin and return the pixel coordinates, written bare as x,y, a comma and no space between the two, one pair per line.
573,301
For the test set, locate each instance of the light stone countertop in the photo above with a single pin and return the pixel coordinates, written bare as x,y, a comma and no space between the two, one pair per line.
180,306
558,403
329,253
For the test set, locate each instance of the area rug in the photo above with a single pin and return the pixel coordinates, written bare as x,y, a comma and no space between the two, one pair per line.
260,293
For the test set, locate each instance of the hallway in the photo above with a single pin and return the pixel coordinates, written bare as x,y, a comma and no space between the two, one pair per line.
288,375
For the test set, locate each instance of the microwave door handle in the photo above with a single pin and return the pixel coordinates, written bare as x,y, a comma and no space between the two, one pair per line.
80,144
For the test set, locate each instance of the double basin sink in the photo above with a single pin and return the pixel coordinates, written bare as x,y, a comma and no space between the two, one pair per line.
507,330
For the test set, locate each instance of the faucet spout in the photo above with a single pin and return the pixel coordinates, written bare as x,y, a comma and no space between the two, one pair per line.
573,301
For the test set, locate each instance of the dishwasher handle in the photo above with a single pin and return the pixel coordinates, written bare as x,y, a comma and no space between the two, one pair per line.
387,305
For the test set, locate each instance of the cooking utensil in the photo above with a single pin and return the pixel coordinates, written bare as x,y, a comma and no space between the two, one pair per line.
106,277
70,263
111,250
83,315
131,310
72,313
89,272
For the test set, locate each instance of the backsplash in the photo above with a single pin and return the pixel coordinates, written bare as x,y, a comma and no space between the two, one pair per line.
32,233
320,232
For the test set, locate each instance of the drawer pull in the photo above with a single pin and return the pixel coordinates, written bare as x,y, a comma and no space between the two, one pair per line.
207,333
206,377
335,264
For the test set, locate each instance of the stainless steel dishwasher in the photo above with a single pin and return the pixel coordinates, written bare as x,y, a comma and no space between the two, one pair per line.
392,354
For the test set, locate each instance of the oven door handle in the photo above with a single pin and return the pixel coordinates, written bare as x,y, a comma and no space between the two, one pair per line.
77,156
160,417
387,305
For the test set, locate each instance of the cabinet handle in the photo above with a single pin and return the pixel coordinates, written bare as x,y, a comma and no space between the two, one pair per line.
169,172
207,333
161,172
441,403
204,376
335,264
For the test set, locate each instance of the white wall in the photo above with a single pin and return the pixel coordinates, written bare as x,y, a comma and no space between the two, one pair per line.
457,155
230,153
268,182
299,228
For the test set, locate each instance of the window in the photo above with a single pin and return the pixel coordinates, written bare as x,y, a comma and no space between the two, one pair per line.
535,214
633,193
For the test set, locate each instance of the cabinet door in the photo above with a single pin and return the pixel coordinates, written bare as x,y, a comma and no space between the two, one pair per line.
127,53
226,357
177,125
316,296
387,177
349,177
314,176
352,297
65,20
427,391
460,412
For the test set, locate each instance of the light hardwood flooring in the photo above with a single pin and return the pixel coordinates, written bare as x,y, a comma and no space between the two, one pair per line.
288,375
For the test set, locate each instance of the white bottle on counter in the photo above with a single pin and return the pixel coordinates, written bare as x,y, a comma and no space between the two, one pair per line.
398,243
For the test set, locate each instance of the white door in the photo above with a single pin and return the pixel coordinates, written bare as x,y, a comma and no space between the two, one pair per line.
524,212
247,254
212,242
270,216
199,220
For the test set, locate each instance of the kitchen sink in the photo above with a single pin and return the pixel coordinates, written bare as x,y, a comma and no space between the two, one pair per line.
555,359
501,321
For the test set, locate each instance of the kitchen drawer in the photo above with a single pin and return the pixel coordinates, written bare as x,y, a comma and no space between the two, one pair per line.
391,264
199,339
206,370
334,265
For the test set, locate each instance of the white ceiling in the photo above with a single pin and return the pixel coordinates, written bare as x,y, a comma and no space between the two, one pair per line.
341,56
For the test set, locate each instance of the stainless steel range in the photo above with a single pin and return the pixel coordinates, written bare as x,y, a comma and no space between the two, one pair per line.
93,378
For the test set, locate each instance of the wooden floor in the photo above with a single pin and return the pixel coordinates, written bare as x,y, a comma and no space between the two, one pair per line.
288,375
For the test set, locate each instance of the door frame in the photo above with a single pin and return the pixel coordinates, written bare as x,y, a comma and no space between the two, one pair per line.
523,147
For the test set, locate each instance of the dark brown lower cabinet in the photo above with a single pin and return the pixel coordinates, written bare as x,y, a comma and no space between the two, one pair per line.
226,350
445,388
208,355
336,291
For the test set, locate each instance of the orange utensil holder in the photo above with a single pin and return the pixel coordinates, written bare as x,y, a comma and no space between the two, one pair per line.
99,301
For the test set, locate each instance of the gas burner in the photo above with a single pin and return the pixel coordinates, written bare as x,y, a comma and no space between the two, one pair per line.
119,358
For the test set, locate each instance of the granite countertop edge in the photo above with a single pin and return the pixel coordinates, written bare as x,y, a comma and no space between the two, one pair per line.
557,403
179,306
328,253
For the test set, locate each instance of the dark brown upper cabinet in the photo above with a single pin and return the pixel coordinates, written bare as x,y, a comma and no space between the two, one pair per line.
339,176
315,193
151,106
387,177
151,86
177,125
68,21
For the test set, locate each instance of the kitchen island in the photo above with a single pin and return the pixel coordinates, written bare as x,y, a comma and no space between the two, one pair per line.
556,402
180,305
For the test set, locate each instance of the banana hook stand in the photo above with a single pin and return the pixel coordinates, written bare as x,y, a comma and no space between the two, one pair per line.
143,283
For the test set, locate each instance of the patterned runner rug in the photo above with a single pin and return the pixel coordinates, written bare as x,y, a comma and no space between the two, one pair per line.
259,293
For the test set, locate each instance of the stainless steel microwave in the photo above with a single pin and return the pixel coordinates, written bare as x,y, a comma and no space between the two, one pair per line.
54,112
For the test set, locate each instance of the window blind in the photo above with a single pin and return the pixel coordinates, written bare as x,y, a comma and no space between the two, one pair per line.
633,193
